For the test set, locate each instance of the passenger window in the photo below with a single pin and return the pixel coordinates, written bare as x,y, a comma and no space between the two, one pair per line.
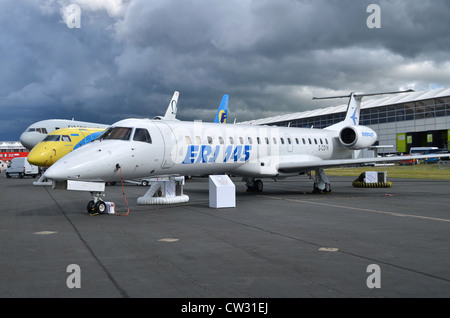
258,140
282,141
274,141
296,141
309,139
142,134
289,140
241,140
198,140
188,140
210,140
321,141
250,140
267,140
221,140
304,142
231,140
315,141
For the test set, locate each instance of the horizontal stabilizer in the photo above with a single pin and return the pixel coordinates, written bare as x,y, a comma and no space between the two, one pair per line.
354,107
362,94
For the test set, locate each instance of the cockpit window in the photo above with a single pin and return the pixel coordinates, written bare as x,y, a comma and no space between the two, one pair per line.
142,134
66,138
118,133
39,130
52,138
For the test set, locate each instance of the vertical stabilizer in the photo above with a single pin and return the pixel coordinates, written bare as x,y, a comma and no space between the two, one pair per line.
222,112
171,112
353,110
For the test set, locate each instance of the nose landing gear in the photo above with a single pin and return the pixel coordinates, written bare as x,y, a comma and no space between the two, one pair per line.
97,205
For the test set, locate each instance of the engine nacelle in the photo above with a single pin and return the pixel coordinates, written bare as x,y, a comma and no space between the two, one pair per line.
357,137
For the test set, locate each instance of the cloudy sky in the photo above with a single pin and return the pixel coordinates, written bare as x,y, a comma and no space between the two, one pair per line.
271,56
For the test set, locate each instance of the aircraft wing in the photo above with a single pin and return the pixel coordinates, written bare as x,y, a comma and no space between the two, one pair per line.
288,167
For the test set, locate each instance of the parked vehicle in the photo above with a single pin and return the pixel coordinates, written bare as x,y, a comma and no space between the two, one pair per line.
425,151
20,167
406,162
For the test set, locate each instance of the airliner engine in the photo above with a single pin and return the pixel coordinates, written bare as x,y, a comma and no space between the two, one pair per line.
357,137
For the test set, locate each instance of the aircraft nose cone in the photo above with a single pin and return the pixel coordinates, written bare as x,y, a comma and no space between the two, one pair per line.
93,162
56,172
39,157
25,141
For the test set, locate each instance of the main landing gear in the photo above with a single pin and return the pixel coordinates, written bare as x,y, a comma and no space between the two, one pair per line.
321,182
253,185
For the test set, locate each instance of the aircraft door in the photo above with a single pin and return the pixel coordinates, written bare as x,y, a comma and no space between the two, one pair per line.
289,142
86,134
170,145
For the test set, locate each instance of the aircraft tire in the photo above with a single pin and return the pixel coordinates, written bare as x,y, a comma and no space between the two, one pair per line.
258,186
100,207
316,190
91,206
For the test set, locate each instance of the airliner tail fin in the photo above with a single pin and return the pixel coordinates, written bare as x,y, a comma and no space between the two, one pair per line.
354,107
222,112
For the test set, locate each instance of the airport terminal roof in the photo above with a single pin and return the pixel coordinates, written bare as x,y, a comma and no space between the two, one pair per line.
11,145
385,101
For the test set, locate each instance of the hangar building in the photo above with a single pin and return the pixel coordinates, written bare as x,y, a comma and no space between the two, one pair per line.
418,119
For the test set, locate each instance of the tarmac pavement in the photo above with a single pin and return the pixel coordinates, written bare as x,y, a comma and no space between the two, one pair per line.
283,243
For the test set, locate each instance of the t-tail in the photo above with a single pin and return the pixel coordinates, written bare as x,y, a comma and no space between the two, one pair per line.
354,107
171,112
222,112
352,135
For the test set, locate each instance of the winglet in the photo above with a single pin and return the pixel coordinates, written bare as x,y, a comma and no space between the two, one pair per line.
222,112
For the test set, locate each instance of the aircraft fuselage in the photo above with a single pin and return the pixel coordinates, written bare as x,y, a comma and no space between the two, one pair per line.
196,148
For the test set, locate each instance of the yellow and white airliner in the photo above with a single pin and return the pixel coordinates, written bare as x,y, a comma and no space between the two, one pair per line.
59,143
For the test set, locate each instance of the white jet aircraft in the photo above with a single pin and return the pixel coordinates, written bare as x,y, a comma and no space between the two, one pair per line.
35,133
138,148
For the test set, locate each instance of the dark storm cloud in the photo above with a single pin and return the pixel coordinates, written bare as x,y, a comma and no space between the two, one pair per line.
271,57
